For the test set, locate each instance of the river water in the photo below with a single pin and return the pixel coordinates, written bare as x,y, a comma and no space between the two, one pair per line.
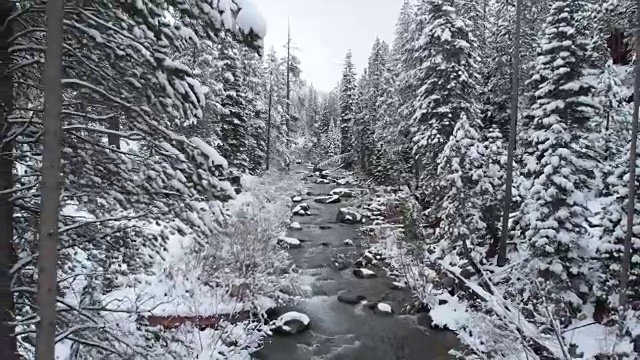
342,331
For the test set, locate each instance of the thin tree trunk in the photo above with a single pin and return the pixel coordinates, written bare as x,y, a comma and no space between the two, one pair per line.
8,349
51,181
268,160
626,255
288,115
515,82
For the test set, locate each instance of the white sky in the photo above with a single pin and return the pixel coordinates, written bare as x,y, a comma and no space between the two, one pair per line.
323,31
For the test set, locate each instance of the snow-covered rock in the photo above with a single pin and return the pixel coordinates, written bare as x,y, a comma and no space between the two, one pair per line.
301,209
323,182
295,226
291,323
342,192
343,181
364,273
396,285
383,309
296,199
349,216
332,199
348,242
292,243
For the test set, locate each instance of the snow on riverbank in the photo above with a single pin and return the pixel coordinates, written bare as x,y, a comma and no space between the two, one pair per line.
241,269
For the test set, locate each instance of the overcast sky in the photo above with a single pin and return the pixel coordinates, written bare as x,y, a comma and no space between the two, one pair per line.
323,31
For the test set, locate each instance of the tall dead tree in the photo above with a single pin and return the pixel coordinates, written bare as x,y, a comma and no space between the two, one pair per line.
8,348
50,183
513,127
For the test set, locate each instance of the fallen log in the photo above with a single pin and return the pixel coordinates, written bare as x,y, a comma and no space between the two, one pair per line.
202,322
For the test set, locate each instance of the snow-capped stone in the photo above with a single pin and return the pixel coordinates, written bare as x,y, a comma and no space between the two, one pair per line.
295,226
291,323
396,285
348,242
301,209
349,216
364,273
342,192
296,199
292,243
342,182
332,199
323,182
383,309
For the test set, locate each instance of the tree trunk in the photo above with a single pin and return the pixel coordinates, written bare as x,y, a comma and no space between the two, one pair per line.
626,255
50,183
268,160
513,128
8,349
288,114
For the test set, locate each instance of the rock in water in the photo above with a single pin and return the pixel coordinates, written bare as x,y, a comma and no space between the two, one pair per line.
342,192
383,309
296,199
364,273
348,242
332,199
323,182
290,242
351,299
349,216
291,323
295,226
397,285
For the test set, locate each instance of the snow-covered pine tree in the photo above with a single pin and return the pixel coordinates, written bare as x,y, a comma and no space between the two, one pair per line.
348,93
233,125
555,210
460,170
447,82
614,228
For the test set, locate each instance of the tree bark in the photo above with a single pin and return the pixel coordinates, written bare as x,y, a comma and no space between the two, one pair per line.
288,105
626,255
513,128
268,160
50,183
8,348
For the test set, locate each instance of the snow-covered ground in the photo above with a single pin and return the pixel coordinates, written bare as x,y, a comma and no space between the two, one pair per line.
196,278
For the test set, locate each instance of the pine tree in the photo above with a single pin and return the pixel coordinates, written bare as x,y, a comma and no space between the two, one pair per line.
448,75
459,171
348,92
611,244
555,211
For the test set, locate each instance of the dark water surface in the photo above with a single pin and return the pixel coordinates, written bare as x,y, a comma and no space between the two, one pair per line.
341,331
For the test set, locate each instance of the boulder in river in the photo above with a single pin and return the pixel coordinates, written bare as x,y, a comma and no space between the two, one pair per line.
291,323
363,273
349,216
331,199
323,182
301,209
342,192
296,198
295,226
396,285
289,242
348,242
383,309
351,299
324,227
